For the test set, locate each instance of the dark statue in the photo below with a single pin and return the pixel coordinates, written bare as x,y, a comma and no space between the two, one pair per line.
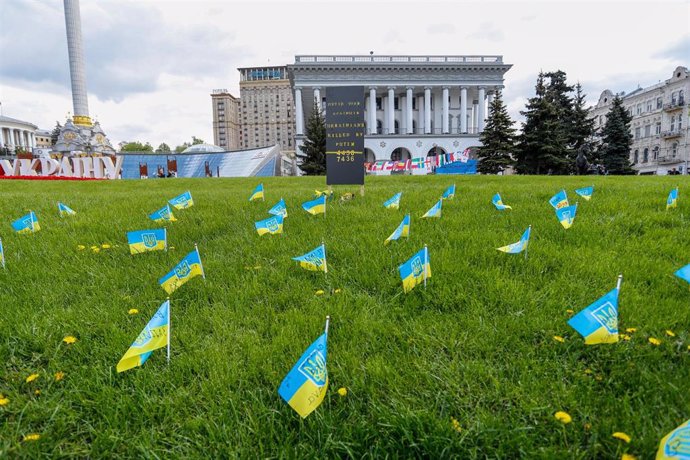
581,160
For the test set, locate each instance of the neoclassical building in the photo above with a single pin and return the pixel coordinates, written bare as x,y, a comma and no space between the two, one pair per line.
16,133
416,106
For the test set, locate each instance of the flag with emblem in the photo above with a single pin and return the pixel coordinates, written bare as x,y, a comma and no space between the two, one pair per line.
566,216
257,193
676,444
672,200
435,210
393,202
449,193
498,202
64,210
182,201
273,225
416,270
684,273
2,254
305,386
559,200
279,209
164,214
317,206
586,192
314,260
516,248
402,230
147,240
26,224
598,323
188,268
155,335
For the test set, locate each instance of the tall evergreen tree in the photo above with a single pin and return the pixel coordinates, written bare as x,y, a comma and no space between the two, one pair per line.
314,147
498,139
581,127
617,139
55,133
557,93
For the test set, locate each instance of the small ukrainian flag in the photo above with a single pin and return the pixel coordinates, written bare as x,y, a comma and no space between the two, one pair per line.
26,224
185,270
155,335
566,216
305,386
147,240
676,444
416,270
2,254
498,202
317,206
393,202
449,193
586,192
402,230
314,260
516,248
280,209
182,201
65,210
272,225
327,193
257,193
683,273
559,200
672,200
164,214
435,210
598,323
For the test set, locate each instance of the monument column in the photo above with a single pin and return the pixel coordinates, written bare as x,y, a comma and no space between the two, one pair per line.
75,48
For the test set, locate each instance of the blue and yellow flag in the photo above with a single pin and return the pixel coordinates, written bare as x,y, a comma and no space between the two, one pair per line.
676,444
566,216
257,193
2,254
272,225
598,323
188,268
327,193
65,210
435,210
317,206
449,193
559,200
516,248
402,230
586,192
147,240
416,270
314,260
164,214
393,202
672,200
279,209
498,202
684,273
26,224
305,386
182,201
155,335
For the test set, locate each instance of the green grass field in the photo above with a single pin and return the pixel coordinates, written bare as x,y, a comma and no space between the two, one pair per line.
477,345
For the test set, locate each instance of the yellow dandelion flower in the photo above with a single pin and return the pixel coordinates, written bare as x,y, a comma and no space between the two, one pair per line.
688,347
338,291
622,436
132,311
628,457
654,341
588,426
563,417
31,378
456,425
59,376
670,333
31,437
80,247
69,340
589,371
342,391
598,378
319,292
37,392
96,249
558,338
257,267
105,246
570,311
625,337
4,401
631,330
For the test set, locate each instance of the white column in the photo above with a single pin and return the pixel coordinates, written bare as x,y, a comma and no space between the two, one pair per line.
420,114
299,114
391,110
427,110
32,140
463,109
444,119
2,137
482,112
475,111
372,110
317,97
490,100
408,110
384,106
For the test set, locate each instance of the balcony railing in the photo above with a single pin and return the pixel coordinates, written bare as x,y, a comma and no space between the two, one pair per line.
667,159
375,59
671,134
674,105
420,132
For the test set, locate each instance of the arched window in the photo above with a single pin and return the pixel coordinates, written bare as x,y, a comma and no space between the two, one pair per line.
636,157
369,156
645,155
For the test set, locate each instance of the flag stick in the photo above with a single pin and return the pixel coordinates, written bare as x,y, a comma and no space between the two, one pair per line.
620,281
31,216
169,328
328,320
529,235
2,254
325,262
165,235
203,274
426,262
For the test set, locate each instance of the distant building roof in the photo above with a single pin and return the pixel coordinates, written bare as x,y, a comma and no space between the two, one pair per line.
4,119
203,148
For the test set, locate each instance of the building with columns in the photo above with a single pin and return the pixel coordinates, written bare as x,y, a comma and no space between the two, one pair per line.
660,118
16,134
416,106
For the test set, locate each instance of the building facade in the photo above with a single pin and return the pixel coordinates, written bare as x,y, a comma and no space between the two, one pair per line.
226,119
660,116
43,139
16,134
267,110
415,106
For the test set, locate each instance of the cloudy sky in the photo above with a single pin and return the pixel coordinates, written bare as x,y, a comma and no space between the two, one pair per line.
151,64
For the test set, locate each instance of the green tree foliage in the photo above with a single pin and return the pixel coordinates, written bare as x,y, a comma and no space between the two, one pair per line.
498,139
55,133
135,147
582,126
163,148
617,140
196,140
313,149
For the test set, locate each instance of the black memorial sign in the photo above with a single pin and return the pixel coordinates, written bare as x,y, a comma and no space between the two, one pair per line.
345,135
